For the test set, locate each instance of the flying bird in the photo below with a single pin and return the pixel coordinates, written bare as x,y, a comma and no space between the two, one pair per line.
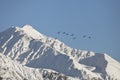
89,37
63,32
67,34
58,32
72,35
84,36
74,38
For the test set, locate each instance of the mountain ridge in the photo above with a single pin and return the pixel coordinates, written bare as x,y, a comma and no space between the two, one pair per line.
40,51
10,70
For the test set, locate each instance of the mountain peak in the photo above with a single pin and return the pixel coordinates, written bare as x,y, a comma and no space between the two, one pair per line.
29,30
27,27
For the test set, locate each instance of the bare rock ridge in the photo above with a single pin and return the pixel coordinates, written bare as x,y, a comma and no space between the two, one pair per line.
30,48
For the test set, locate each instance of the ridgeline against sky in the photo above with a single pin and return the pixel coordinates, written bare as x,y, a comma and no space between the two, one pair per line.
98,19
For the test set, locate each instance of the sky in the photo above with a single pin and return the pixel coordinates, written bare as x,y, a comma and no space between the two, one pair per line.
99,19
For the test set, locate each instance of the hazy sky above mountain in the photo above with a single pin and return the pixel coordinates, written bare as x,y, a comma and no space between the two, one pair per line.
99,19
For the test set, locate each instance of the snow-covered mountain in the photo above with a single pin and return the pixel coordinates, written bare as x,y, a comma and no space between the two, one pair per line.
30,48
10,70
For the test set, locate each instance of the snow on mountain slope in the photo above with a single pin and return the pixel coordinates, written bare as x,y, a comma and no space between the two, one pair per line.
113,67
31,48
10,70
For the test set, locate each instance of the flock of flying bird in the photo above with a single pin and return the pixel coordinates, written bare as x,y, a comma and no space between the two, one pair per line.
73,35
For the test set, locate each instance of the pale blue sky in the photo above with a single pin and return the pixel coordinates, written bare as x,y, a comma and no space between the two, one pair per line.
98,18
